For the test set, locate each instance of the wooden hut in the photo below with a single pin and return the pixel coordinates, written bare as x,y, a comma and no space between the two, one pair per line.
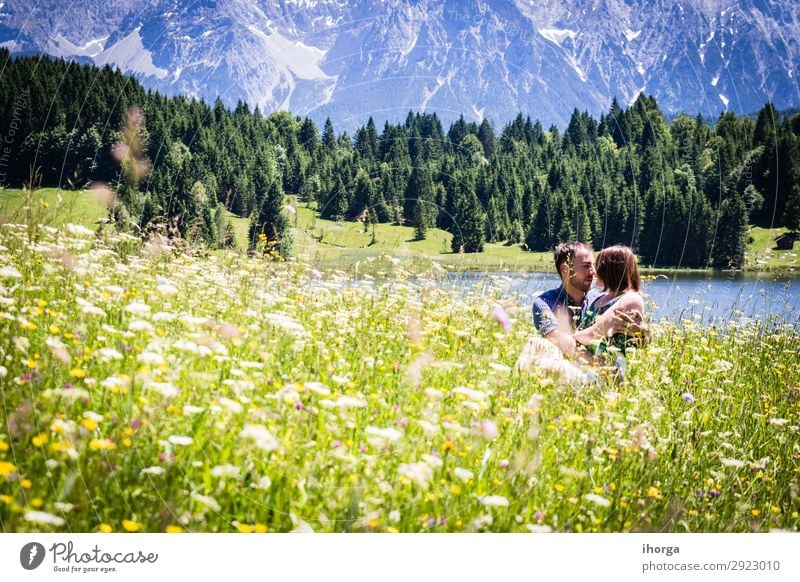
785,242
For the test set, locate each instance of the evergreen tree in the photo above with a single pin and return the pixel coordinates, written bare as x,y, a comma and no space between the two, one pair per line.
542,232
418,220
791,216
329,137
420,187
765,128
364,195
731,238
487,139
469,227
269,226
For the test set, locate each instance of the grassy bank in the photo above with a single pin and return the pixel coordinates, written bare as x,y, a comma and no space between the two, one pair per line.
330,244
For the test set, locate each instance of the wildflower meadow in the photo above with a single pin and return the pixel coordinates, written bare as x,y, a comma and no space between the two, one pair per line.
146,389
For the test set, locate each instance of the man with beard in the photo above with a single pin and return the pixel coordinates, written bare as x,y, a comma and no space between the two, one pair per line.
558,312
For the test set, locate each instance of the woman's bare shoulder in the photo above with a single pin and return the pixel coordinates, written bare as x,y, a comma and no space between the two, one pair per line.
631,300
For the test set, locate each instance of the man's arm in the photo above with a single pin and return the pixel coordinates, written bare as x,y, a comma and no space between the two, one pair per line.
548,325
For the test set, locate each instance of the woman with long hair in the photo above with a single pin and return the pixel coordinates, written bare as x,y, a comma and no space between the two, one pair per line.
620,306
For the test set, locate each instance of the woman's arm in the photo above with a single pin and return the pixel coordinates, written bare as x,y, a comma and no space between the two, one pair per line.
631,302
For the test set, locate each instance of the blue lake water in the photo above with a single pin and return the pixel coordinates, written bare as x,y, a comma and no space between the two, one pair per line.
678,296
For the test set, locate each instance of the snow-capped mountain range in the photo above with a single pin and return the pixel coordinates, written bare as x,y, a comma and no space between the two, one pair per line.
349,59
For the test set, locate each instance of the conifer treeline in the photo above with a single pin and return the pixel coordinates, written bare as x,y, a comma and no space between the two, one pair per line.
680,193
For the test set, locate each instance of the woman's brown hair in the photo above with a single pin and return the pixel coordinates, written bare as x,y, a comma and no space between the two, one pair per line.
617,268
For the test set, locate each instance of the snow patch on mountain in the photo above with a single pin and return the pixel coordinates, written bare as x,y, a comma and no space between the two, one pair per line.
630,35
62,47
129,54
300,59
557,36
573,62
428,93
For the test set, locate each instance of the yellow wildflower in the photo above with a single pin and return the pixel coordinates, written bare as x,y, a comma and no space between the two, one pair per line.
173,529
89,424
26,483
102,445
105,528
6,469
130,526
77,373
39,440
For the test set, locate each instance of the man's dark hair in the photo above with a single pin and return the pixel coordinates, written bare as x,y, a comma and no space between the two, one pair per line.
565,252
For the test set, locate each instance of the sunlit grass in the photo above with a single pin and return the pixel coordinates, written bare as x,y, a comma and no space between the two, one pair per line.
145,390
763,256
54,206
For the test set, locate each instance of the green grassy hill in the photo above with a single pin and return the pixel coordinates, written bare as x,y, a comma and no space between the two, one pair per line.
343,244
51,206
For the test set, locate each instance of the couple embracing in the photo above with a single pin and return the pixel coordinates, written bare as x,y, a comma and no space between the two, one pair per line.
585,324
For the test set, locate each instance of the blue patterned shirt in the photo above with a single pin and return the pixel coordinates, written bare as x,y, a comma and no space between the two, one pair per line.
557,302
